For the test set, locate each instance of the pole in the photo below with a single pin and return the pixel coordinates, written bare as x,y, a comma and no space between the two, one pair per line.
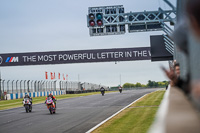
66,85
3,86
20,89
55,85
24,86
16,86
120,79
12,87
8,86
60,85
28,85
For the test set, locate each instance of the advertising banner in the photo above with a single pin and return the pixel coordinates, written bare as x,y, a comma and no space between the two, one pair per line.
76,56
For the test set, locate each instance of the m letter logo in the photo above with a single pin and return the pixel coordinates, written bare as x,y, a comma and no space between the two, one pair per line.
12,59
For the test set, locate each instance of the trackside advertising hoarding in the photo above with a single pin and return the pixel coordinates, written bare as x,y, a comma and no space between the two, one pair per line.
76,56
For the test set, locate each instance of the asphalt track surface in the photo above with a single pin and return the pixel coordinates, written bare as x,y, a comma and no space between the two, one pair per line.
74,115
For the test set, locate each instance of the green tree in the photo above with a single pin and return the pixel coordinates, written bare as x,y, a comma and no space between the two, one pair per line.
138,84
150,83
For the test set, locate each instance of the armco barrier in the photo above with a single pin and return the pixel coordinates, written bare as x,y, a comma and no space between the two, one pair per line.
33,94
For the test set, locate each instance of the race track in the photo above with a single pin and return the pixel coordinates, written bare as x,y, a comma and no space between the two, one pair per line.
74,115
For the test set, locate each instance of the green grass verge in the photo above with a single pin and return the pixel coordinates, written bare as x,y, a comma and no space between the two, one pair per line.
135,119
8,104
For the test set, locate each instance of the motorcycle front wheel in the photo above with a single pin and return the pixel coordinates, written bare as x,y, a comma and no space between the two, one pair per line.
50,111
30,108
27,109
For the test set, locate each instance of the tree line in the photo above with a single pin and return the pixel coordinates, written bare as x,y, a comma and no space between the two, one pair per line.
149,84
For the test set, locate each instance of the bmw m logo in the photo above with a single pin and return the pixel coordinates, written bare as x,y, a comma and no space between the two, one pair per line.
12,59
1,59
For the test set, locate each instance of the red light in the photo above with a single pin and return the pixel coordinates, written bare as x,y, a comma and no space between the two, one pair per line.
91,23
99,23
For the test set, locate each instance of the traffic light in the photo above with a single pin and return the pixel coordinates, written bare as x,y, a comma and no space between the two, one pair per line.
91,19
98,20
99,17
95,20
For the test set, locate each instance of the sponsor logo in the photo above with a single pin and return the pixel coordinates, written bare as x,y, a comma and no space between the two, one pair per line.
1,59
12,59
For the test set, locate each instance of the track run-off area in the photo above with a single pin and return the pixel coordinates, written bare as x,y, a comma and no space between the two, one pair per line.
73,115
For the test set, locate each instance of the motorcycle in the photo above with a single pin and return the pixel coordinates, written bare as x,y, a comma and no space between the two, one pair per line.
27,104
120,90
102,93
50,105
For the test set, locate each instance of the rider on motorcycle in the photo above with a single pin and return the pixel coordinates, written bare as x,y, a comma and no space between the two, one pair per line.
27,101
102,90
53,98
120,89
27,96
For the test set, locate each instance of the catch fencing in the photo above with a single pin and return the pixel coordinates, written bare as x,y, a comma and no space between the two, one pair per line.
15,89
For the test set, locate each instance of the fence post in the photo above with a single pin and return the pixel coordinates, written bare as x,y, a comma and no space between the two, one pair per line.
38,86
51,85
28,85
8,86
16,86
55,85
32,86
3,85
43,86
60,85
20,89
35,85
12,86
46,85
66,85
24,86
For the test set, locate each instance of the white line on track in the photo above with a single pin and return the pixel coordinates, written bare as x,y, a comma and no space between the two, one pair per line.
98,125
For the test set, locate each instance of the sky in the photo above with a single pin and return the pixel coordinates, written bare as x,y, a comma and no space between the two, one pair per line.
61,25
